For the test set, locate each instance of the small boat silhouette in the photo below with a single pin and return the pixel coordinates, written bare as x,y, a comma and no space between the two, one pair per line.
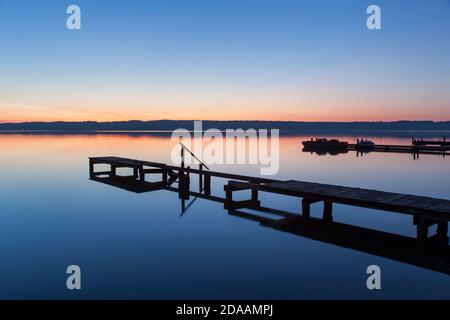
325,144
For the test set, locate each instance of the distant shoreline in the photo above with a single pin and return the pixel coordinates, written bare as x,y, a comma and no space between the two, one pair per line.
170,125
192,131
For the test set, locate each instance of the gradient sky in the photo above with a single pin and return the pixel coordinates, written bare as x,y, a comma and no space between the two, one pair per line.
224,59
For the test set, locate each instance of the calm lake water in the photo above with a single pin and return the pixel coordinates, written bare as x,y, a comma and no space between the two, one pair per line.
140,246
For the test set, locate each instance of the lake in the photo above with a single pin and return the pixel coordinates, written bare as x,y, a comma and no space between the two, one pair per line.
141,245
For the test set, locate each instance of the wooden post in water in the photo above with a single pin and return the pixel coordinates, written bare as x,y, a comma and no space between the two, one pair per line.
207,190
183,182
200,178
183,206
442,229
328,211
164,177
182,157
113,171
188,180
306,208
141,174
180,182
228,197
422,229
254,200
91,168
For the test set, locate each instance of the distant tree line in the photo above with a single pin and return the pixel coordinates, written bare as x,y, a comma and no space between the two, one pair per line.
134,125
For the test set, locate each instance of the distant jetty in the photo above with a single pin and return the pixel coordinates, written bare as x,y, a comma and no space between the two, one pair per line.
418,146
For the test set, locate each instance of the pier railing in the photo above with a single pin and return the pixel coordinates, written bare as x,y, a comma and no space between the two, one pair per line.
201,177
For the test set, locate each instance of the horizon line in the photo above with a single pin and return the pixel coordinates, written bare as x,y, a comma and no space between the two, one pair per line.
215,120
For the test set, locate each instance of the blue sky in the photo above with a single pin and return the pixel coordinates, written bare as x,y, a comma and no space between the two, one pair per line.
224,59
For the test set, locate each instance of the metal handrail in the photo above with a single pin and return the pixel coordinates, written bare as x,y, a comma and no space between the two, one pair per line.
192,154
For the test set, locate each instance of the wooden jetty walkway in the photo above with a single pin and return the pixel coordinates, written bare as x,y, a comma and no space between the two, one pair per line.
413,149
423,142
417,147
425,211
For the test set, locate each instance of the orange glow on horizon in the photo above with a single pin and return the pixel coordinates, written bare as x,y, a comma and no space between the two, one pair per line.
319,113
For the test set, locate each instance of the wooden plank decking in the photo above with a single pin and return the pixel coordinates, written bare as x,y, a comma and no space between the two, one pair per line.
367,197
132,163
426,211
389,201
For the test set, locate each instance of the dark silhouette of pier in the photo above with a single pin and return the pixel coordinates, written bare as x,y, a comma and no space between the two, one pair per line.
424,250
417,147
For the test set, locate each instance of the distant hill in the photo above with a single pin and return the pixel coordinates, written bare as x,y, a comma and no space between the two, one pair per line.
134,125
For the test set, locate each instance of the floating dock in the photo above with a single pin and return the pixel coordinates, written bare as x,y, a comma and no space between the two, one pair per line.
417,147
425,250
413,149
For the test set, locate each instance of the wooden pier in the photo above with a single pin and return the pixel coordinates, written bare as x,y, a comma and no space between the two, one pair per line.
425,211
412,149
169,175
417,147
422,142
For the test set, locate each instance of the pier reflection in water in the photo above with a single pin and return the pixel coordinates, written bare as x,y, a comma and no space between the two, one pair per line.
428,252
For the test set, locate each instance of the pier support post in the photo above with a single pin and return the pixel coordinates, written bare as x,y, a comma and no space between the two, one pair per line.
135,173
183,185
91,169
442,229
328,211
228,197
422,229
113,171
207,190
141,174
200,178
188,178
254,196
306,208
164,177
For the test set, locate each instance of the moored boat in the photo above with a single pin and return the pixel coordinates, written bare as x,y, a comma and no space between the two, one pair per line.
324,143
